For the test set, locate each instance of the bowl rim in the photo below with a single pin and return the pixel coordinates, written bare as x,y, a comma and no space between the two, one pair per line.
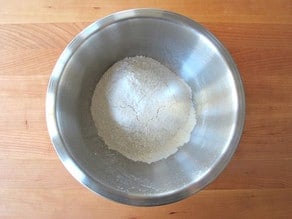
72,165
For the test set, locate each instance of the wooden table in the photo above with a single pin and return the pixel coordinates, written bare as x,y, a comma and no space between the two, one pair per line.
256,184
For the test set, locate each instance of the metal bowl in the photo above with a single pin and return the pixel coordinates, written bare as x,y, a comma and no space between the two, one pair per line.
187,49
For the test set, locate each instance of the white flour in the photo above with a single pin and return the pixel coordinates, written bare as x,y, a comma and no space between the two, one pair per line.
142,109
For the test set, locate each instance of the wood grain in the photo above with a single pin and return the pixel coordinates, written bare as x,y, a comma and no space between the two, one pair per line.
54,11
66,203
256,184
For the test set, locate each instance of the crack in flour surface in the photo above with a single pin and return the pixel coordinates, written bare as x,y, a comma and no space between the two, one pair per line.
142,109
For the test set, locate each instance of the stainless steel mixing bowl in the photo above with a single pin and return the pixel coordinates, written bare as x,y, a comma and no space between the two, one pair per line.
187,49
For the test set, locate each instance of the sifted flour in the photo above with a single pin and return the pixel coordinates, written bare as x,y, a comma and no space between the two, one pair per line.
142,109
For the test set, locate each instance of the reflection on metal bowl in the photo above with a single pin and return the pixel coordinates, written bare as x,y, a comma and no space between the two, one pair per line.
186,48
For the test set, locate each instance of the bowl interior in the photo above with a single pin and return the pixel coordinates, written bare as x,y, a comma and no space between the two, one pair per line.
189,51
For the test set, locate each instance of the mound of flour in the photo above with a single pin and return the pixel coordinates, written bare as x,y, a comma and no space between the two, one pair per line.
142,109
